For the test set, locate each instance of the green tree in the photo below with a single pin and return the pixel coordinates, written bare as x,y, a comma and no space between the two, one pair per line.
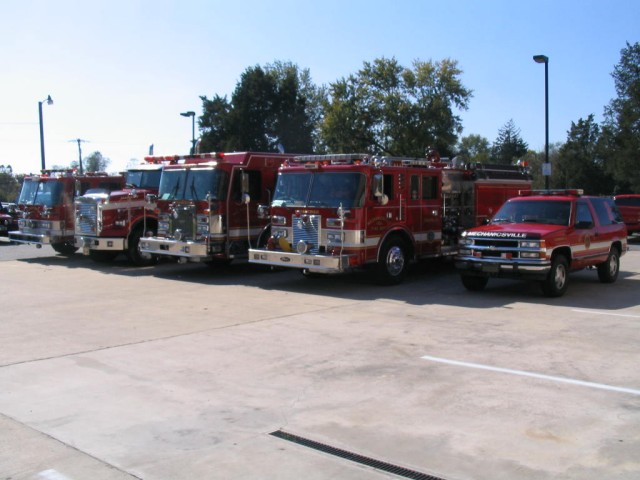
474,148
508,146
9,185
620,139
273,107
95,163
578,164
388,109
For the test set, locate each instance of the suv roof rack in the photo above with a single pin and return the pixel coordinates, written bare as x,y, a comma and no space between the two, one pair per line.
576,192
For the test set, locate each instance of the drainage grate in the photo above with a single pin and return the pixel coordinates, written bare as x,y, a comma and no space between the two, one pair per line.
354,457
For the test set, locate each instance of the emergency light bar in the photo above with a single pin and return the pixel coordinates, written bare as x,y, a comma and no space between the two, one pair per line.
183,158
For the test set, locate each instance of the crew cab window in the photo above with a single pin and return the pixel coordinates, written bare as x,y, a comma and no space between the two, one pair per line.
429,188
584,219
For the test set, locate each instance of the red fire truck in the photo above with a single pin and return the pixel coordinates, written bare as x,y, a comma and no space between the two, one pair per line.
205,205
110,223
46,205
333,213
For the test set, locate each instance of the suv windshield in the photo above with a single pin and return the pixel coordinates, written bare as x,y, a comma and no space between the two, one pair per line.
192,184
320,189
36,192
551,212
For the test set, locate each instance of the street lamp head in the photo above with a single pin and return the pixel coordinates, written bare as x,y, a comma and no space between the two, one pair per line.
49,100
188,114
541,59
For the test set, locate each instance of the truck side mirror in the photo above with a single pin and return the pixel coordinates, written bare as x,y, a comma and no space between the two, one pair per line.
377,186
245,182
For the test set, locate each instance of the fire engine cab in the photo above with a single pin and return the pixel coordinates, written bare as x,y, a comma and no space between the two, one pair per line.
110,223
46,206
543,235
206,205
333,213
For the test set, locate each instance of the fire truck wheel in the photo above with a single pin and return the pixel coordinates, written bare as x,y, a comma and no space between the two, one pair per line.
474,283
101,256
393,262
133,251
64,248
556,283
608,271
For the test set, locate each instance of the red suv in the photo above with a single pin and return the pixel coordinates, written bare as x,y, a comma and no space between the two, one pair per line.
629,206
544,236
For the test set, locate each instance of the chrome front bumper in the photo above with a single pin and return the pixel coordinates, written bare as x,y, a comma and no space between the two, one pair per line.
313,263
195,252
100,243
502,268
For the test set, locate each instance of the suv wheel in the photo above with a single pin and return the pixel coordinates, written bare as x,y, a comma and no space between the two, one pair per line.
608,271
556,283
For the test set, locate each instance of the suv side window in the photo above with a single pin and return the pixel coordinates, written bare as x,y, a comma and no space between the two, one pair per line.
584,219
606,211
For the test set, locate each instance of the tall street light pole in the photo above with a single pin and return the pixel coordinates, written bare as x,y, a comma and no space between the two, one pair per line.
547,167
193,129
49,101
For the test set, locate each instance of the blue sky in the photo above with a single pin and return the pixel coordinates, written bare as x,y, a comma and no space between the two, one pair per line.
121,71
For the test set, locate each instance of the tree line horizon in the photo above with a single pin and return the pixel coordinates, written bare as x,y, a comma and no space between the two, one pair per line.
388,109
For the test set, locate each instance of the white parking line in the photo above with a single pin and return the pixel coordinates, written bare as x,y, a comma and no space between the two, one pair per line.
598,312
52,474
523,373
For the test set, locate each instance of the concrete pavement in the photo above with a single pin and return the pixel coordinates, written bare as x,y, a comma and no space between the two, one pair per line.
182,372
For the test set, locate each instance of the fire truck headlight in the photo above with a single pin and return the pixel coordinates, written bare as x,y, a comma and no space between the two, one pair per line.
278,220
120,223
334,237
203,229
530,255
303,247
280,233
46,225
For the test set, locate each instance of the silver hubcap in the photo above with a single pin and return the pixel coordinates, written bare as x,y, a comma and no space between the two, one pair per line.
560,277
395,260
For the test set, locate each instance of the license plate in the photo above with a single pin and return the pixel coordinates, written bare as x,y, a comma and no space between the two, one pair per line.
491,268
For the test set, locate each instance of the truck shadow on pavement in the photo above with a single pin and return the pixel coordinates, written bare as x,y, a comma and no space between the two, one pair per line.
434,282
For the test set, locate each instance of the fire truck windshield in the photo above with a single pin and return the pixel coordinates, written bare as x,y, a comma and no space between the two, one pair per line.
550,212
192,184
320,189
143,178
36,192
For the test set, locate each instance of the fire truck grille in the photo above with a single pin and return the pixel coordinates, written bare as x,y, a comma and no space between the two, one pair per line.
87,218
183,218
307,229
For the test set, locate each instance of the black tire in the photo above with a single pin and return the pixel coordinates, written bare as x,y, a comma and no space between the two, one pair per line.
474,283
64,248
102,256
557,282
134,254
608,271
393,262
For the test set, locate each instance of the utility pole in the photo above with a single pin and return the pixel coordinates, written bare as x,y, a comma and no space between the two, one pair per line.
80,141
